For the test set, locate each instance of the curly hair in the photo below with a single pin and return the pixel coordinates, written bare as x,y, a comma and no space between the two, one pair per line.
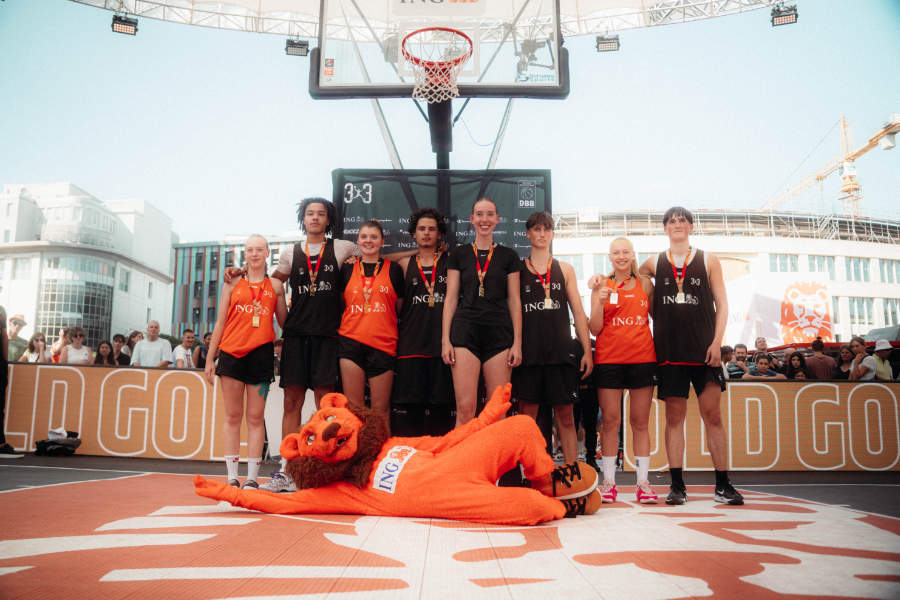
329,209
427,213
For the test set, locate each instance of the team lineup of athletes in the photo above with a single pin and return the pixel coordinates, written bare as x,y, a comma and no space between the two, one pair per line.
422,327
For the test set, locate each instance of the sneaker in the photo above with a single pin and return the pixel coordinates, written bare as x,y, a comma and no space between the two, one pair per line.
592,462
234,483
568,481
608,493
280,484
584,505
677,495
250,484
7,449
729,495
645,493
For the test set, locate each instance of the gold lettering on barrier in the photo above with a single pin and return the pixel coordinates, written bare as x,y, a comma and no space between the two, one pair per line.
58,400
124,412
180,415
874,427
754,426
820,419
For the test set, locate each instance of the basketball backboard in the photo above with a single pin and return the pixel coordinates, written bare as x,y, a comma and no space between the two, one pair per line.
516,47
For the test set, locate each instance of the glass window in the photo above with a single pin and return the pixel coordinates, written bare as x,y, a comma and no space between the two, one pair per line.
601,263
149,290
210,315
783,263
2,267
890,270
21,268
195,314
212,289
214,260
198,261
198,288
124,279
273,256
891,311
576,261
835,312
229,257
857,268
6,235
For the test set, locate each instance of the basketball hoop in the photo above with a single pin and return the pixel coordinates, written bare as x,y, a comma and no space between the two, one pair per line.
436,56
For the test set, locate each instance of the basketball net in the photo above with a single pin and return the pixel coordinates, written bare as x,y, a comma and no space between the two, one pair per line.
436,56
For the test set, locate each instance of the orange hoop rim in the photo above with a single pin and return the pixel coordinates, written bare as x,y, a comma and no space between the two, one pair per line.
436,65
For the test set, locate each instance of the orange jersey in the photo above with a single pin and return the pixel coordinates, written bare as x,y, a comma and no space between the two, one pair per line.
377,327
240,337
625,337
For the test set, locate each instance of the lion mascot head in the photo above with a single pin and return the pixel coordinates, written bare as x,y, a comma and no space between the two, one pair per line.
338,443
805,313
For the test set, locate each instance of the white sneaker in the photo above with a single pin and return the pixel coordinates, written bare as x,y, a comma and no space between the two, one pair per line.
280,483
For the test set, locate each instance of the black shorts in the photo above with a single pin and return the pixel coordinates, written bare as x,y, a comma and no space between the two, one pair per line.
309,361
257,366
371,360
422,380
484,341
624,376
676,380
553,385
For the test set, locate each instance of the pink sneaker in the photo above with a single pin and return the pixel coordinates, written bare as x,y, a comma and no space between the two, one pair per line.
645,493
608,493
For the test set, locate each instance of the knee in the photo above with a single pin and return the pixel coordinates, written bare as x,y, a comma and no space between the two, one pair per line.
712,416
255,420
612,419
233,418
675,416
639,425
565,419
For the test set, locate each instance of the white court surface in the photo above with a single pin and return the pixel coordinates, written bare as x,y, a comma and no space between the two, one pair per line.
150,536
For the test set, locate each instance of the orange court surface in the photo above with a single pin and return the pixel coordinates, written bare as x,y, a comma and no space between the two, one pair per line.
100,527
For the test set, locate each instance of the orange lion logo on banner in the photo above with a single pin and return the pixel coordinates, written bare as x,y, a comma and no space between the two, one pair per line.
804,313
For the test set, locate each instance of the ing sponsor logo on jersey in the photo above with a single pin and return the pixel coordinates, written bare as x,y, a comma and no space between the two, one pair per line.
635,321
374,307
688,299
388,471
321,286
423,298
533,306
248,308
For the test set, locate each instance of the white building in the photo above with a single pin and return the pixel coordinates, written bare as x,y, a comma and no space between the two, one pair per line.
823,272
67,259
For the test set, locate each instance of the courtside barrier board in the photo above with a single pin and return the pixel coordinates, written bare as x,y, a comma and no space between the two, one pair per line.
159,413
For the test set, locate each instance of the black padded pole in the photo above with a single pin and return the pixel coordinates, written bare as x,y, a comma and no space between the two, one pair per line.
439,115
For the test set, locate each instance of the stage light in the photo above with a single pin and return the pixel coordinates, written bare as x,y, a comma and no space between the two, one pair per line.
296,47
122,24
607,43
784,15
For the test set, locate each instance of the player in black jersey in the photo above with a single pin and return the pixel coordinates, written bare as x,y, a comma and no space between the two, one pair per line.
422,396
690,311
482,320
550,368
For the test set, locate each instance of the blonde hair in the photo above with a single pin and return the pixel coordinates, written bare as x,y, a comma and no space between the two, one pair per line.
635,269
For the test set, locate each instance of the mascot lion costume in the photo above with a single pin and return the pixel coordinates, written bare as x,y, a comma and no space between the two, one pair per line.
343,462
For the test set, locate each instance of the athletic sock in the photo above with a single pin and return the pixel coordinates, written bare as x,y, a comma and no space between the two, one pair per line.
675,473
253,468
721,479
643,468
282,465
609,469
231,465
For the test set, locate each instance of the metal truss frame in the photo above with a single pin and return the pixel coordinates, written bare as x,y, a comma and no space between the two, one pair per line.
305,25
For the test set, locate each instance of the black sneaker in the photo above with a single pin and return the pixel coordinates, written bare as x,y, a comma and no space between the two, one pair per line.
677,495
251,484
7,449
729,495
234,483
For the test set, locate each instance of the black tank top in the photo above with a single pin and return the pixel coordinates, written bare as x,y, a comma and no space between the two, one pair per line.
318,314
683,332
420,324
546,334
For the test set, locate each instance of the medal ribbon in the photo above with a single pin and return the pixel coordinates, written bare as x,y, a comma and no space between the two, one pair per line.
487,263
544,284
314,274
430,286
679,279
368,282
621,285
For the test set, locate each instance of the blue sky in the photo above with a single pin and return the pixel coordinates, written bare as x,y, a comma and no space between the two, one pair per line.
217,128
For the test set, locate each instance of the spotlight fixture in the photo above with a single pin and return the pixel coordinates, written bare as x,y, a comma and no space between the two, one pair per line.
296,47
784,15
607,43
122,24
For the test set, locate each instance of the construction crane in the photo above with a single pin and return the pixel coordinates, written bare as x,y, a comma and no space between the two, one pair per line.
845,164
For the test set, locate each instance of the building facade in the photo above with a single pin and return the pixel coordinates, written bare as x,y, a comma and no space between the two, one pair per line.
69,260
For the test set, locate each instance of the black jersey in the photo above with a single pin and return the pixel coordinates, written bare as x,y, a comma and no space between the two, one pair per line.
546,334
420,324
682,332
491,308
319,313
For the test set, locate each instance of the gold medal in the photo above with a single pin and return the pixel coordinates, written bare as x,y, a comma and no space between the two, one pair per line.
481,272
429,285
431,301
679,298
257,305
481,290
312,289
548,304
313,274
